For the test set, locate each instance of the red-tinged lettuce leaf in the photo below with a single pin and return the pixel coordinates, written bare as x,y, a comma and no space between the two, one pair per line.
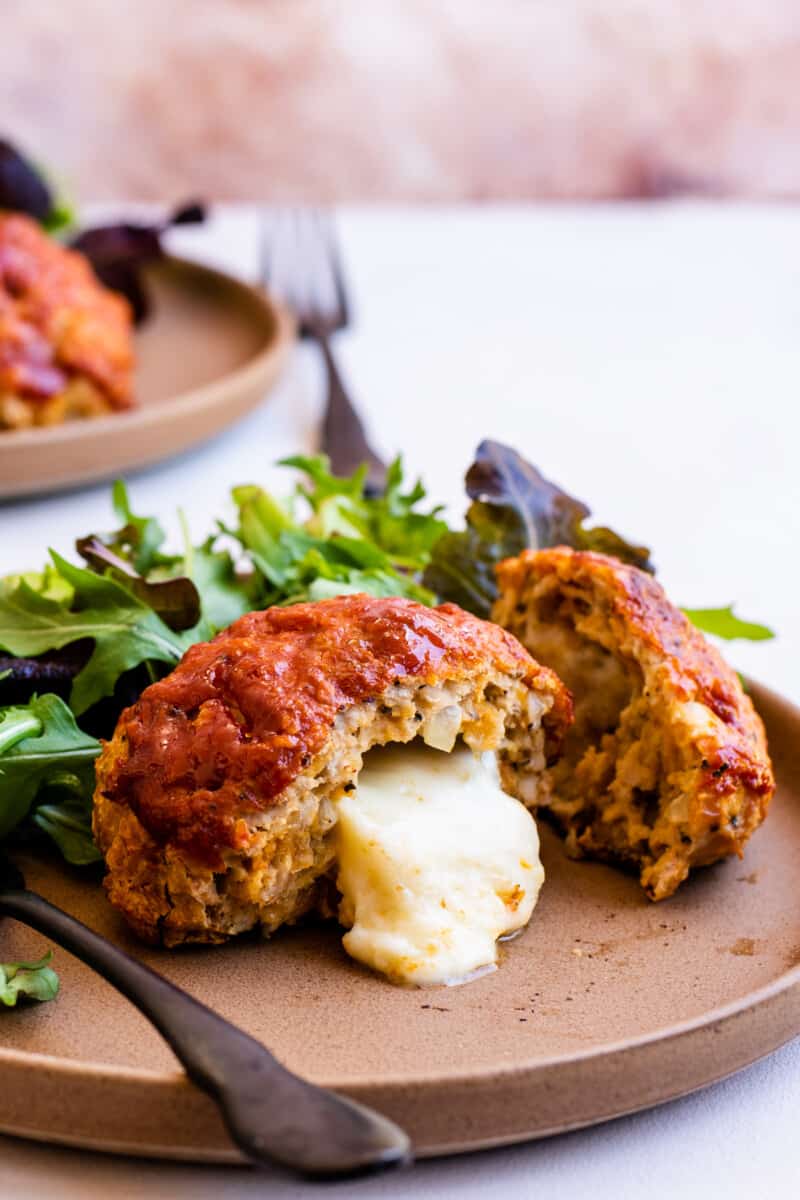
513,508
119,251
223,593
21,678
175,600
22,187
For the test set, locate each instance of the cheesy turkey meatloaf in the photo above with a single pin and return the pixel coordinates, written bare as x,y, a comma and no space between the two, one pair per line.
65,340
216,799
666,766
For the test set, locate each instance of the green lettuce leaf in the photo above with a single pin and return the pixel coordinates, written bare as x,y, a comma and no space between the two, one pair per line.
225,593
124,629
30,981
69,824
724,623
44,755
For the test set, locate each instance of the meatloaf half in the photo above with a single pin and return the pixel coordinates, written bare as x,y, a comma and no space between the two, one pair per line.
66,347
666,766
216,799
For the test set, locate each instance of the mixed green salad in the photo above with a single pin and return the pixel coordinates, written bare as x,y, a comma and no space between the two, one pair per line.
80,640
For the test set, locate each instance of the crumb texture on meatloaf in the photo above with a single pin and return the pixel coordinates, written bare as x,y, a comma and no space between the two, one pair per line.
666,766
215,800
66,347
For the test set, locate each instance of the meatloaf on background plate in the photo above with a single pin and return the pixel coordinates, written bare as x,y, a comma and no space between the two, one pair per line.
66,347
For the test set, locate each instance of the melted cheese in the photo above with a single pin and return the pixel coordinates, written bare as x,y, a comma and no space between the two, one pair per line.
435,863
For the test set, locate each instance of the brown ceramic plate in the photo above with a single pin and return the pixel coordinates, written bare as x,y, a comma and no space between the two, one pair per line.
208,354
606,1004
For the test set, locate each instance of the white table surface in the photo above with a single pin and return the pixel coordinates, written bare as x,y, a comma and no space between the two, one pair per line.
646,358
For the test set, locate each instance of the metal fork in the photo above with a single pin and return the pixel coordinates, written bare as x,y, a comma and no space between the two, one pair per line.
272,1115
300,263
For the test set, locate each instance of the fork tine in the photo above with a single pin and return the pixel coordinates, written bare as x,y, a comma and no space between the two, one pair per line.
265,249
272,250
267,239
313,286
299,261
319,297
327,227
308,279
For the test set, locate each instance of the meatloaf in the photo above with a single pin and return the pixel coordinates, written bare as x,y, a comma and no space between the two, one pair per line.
216,798
66,346
666,766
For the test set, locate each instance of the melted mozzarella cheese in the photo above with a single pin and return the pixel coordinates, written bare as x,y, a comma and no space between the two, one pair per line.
435,863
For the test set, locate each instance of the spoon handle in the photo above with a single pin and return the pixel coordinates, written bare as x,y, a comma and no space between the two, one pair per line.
271,1114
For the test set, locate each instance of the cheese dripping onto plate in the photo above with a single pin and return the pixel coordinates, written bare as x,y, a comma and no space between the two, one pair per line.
436,863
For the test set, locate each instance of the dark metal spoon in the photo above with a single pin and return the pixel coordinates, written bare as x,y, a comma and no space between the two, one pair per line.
271,1114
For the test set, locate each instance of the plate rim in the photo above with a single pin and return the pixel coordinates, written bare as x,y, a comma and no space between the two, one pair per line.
751,1000
270,306
200,400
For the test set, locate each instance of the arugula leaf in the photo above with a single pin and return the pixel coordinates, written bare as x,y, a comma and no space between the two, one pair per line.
325,485
125,631
724,623
42,750
29,980
513,508
297,566
339,507
348,543
263,524
69,824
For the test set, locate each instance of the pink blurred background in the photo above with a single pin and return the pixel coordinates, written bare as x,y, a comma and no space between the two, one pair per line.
420,100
